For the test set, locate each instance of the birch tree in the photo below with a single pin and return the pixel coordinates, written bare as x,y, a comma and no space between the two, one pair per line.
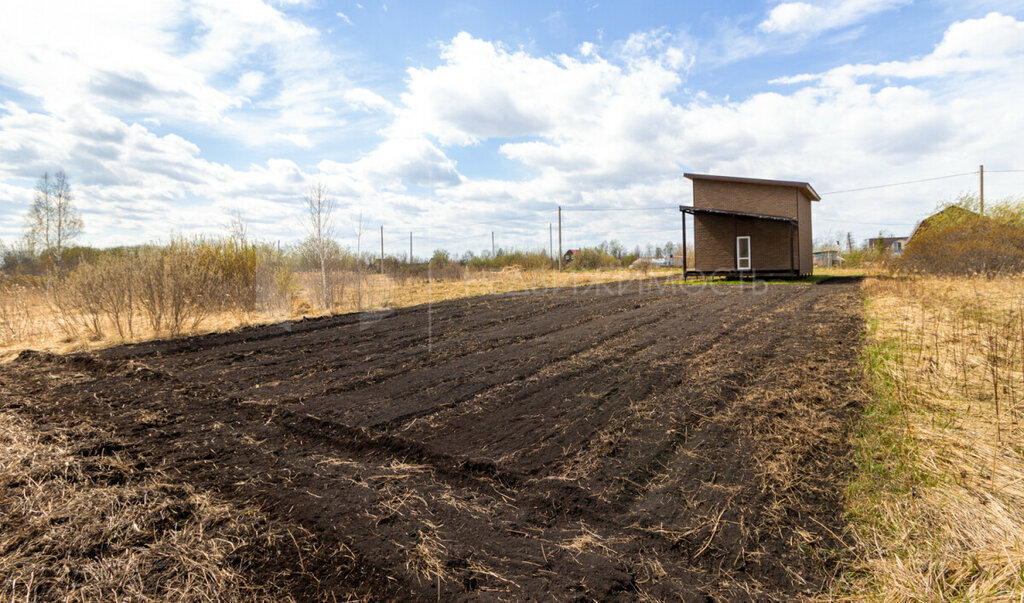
53,220
320,228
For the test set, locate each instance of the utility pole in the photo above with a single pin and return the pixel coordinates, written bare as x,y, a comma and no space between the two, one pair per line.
492,244
981,187
559,238
382,249
410,246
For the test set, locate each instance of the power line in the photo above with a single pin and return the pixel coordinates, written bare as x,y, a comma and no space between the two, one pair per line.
868,188
1003,171
675,207
866,223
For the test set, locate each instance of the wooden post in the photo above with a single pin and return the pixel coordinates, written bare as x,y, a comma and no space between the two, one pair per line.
559,238
684,243
382,249
410,246
735,246
492,245
792,267
981,187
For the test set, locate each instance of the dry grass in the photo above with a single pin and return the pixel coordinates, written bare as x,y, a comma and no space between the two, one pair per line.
938,501
80,522
28,319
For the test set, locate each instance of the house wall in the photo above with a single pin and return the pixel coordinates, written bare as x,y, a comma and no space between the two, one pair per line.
805,240
752,198
716,243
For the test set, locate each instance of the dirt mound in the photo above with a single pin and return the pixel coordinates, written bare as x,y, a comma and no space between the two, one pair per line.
614,442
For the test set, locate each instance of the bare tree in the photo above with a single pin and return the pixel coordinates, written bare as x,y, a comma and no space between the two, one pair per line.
53,220
38,221
320,227
237,227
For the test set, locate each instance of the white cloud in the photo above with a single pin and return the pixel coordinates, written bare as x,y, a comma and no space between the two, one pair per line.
251,82
133,185
395,163
484,91
344,17
993,43
657,46
805,18
367,100
166,60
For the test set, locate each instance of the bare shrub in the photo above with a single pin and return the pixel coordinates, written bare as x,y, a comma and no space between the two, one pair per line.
252,276
16,317
338,282
593,259
526,260
865,257
112,280
171,289
959,240
177,284
75,298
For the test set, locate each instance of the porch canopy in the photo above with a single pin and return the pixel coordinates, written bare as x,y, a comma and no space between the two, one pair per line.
687,209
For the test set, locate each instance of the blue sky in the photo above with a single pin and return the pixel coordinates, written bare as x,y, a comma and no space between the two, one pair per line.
453,119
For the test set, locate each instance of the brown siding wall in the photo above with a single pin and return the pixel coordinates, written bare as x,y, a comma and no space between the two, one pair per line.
716,243
806,237
753,198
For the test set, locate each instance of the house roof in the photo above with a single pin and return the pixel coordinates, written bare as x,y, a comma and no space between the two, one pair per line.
886,240
952,210
740,214
803,186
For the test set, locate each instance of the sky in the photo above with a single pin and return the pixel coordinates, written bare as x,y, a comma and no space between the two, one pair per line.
453,119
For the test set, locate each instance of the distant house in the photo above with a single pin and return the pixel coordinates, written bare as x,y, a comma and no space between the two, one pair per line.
569,255
750,226
651,261
827,257
890,244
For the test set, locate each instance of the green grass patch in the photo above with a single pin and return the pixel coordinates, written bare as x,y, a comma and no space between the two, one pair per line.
887,465
806,280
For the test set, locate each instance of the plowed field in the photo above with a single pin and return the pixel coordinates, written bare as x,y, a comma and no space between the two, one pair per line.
613,442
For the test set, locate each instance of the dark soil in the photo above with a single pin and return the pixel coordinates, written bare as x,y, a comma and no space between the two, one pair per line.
611,442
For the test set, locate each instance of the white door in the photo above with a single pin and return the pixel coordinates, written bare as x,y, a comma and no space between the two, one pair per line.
742,253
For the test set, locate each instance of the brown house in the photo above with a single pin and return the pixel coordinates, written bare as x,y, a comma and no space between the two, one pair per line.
750,226
889,244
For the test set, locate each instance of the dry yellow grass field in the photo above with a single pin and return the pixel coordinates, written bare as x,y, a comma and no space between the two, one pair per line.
938,498
27,320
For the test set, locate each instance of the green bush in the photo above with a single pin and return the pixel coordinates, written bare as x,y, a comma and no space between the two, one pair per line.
961,241
527,260
590,258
